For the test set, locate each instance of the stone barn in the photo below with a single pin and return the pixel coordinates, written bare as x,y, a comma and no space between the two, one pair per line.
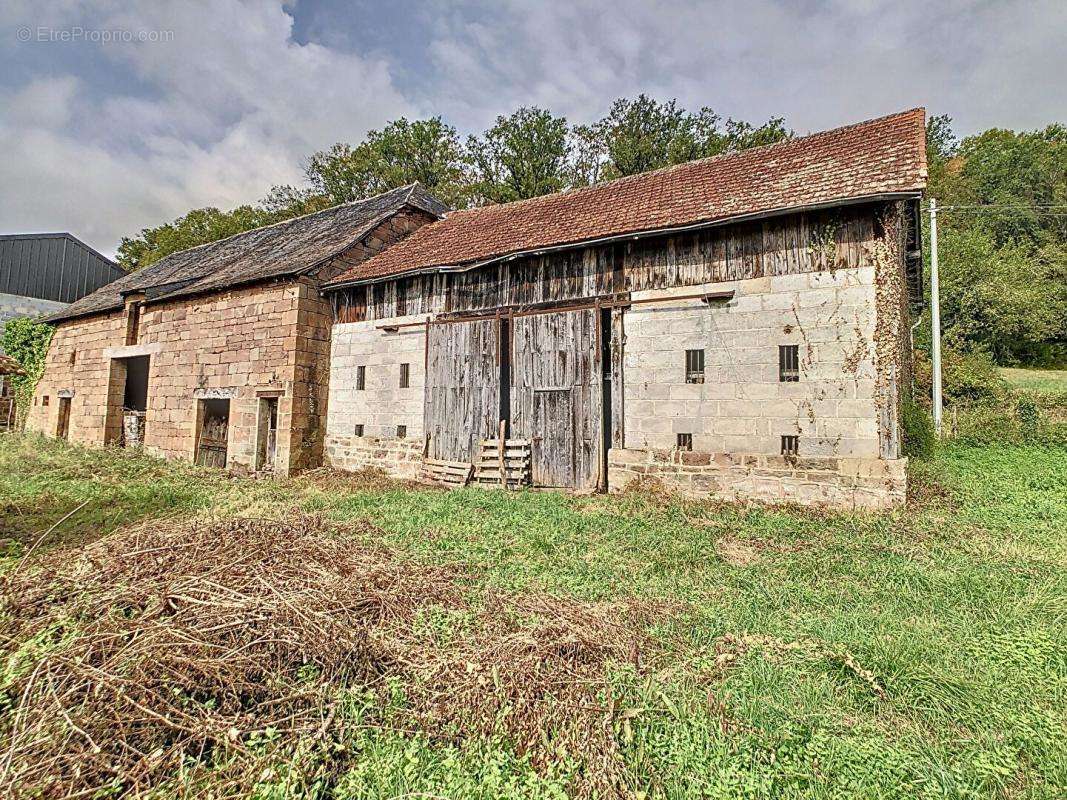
737,326
218,353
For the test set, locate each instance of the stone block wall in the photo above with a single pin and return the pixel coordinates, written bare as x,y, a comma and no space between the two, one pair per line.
837,482
382,405
401,458
76,359
742,406
236,345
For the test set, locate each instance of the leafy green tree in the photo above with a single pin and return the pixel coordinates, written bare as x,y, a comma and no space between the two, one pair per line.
524,155
1006,299
403,152
1025,174
643,134
199,226
1003,243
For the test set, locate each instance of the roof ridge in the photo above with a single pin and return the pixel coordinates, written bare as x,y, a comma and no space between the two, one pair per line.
684,164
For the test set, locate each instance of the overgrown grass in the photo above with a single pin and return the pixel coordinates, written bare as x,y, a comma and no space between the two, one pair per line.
1052,381
914,654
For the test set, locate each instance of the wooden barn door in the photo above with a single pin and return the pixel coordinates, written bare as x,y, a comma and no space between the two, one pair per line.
462,404
556,396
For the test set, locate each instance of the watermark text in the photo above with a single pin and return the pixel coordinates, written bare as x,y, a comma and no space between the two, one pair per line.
77,33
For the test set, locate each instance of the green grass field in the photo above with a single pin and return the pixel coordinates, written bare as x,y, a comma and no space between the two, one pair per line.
1046,381
920,653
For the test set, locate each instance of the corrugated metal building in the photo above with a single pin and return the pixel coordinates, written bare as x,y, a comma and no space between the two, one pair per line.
41,273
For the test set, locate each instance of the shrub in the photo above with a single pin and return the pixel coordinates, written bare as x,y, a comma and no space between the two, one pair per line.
966,377
1026,410
918,428
26,340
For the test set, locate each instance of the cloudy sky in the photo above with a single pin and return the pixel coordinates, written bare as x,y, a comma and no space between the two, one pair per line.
120,115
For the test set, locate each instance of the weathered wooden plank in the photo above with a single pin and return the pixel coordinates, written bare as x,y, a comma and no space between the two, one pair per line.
462,387
555,394
783,245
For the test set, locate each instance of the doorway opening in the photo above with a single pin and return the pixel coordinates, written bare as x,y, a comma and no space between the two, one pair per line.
63,423
127,401
213,425
135,401
607,433
267,434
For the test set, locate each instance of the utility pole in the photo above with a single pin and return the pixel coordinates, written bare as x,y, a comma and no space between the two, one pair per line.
935,317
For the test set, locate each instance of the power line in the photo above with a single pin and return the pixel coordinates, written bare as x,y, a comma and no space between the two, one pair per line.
1000,206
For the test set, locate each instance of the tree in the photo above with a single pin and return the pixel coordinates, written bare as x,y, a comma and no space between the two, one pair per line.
403,152
521,156
643,134
199,226
1024,174
1003,248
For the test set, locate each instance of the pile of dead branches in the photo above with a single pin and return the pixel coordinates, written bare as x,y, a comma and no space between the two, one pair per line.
166,651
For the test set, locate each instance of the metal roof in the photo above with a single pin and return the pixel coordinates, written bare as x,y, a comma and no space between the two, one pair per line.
52,266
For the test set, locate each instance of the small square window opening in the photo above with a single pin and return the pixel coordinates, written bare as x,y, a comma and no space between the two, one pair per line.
694,366
685,441
788,363
358,430
790,445
401,431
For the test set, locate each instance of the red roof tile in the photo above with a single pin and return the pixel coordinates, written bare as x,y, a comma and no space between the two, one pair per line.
881,156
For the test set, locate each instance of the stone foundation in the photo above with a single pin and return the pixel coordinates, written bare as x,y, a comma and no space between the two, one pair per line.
400,458
842,483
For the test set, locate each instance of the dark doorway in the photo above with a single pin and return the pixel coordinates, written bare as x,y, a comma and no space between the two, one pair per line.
127,401
267,434
63,424
214,419
7,403
135,401
605,394
135,397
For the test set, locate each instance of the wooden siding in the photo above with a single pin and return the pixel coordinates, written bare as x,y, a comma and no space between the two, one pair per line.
785,245
462,404
555,396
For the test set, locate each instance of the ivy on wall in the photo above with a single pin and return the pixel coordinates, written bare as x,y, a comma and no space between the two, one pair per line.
26,340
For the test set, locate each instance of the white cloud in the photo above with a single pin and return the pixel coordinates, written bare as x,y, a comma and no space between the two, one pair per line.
232,107
105,139
818,64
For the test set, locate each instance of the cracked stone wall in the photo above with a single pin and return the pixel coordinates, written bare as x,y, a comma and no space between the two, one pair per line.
742,406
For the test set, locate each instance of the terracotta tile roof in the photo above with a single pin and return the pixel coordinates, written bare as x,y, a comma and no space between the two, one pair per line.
881,156
9,366
285,248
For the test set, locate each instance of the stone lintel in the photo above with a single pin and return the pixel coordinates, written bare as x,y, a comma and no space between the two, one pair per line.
133,350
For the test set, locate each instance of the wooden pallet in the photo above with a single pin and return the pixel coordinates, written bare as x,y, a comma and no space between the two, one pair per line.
446,473
509,467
